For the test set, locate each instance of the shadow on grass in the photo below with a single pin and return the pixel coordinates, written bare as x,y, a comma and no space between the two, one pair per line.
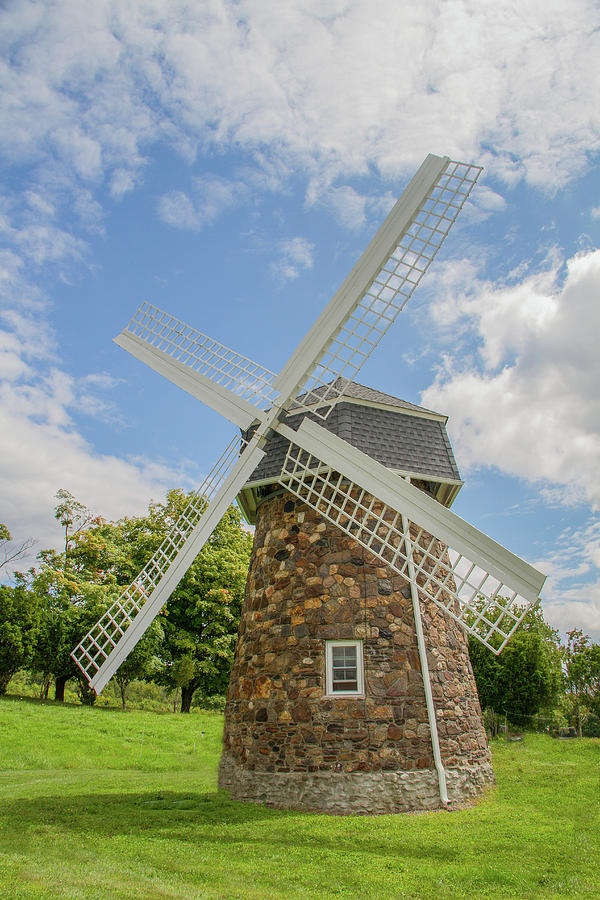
116,708
48,701
205,818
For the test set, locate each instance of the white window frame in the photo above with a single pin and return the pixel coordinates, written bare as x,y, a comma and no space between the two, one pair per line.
360,691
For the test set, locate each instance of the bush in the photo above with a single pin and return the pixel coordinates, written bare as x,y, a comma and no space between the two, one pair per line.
216,703
591,726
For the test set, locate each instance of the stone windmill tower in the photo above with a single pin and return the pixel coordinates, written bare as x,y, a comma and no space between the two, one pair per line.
327,707
351,688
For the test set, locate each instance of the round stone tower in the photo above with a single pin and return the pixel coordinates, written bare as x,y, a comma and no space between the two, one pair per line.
326,707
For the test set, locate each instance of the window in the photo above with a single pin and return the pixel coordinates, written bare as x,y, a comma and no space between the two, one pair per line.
344,676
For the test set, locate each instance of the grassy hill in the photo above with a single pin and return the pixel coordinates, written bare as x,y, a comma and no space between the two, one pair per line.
97,803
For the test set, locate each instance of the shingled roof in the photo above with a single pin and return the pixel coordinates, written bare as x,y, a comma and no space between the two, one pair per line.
355,391
404,437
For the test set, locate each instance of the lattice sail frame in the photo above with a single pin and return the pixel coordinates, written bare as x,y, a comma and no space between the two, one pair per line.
102,640
389,291
481,602
204,355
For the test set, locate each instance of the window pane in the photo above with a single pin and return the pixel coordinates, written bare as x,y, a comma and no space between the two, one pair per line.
344,655
344,668
345,685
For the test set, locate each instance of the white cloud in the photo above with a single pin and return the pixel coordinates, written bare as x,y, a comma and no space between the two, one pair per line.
528,401
327,86
122,181
295,254
595,213
483,203
176,209
346,204
102,380
212,196
42,450
46,243
572,591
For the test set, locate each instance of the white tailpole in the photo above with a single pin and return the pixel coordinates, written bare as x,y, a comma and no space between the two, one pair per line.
435,740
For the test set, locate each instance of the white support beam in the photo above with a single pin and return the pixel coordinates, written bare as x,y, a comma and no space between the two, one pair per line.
235,409
431,716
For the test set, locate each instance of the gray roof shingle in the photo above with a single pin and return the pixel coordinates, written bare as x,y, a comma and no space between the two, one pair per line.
394,436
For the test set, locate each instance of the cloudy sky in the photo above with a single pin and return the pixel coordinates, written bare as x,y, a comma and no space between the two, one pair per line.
228,162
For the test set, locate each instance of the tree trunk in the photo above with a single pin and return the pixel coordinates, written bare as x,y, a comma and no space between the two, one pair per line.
187,692
45,686
59,688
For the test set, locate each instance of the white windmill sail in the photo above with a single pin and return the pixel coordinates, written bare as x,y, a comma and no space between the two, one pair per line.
114,636
225,380
474,579
378,287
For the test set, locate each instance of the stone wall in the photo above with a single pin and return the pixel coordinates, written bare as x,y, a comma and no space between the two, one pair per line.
287,744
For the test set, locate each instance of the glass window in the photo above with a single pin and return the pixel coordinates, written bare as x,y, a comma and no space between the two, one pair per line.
344,668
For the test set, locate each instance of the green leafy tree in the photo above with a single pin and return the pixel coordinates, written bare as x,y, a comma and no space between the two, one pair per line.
582,677
200,629
191,644
72,593
534,623
69,606
143,661
199,623
201,618
74,517
19,621
78,585
524,678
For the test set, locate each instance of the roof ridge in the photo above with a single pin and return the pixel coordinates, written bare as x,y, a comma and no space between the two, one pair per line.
355,390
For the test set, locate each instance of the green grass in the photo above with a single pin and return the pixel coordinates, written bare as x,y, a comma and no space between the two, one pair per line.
96,803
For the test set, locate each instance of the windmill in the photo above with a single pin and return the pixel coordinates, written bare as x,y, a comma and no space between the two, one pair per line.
444,569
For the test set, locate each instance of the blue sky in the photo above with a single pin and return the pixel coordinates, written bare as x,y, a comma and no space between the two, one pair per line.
228,162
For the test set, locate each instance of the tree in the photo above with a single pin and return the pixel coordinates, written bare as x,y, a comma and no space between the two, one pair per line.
582,676
199,623
142,662
69,606
19,618
201,617
200,630
72,596
196,633
534,623
11,551
592,680
74,518
522,679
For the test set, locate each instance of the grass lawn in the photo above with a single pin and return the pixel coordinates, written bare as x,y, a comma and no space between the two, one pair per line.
98,803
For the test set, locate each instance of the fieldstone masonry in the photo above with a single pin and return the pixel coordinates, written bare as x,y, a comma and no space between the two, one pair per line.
285,743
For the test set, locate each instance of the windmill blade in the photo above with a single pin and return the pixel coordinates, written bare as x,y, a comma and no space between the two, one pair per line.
481,584
228,382
107,644
378,286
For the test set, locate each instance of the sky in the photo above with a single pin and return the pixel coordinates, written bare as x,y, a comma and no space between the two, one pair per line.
228,162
